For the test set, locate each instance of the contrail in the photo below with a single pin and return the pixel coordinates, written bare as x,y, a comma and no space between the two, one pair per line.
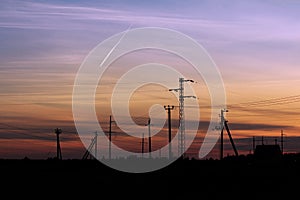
114,47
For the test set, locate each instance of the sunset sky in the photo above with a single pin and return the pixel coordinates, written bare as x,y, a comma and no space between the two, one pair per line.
255,45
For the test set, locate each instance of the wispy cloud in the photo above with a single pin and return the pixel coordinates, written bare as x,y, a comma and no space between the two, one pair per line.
31,15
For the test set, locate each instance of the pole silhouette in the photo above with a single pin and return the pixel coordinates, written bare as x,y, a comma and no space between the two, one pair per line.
225,125
281,141
149,136
143,146
96,145
169,108
89,149
109,137
58,149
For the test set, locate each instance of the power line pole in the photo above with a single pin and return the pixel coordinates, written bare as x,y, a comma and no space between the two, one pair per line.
58,149
96,141
109,136
222,133
225,125
181,139
89,149
222,141
143,146
281,141
149,136
253,143
169,108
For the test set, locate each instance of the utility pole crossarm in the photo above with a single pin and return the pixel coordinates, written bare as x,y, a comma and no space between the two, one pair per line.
190,97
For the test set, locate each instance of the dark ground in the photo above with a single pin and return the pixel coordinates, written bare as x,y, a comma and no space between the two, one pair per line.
240,178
